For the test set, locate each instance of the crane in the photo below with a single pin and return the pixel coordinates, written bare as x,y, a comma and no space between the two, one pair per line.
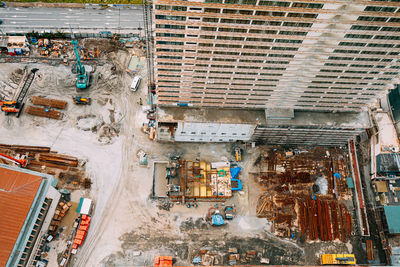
17,105
83,78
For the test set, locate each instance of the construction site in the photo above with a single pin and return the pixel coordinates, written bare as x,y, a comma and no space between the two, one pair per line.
110,160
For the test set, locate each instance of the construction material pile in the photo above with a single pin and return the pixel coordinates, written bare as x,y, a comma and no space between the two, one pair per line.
68,170
48,102
306,192
50,47
61,211
46,111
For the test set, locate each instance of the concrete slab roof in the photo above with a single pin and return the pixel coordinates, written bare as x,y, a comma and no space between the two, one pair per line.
210,115
17,193
345,120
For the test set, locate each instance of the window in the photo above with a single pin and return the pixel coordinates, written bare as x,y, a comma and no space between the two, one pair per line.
367,18
212,10
166,26
210,20
274,3
166,17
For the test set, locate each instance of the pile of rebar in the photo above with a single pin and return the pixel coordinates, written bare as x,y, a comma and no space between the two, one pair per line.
44,112
48,102
59,159
290,202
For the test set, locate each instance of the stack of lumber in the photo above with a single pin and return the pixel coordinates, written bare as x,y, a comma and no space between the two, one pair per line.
59,159
62,209
43,112
48,102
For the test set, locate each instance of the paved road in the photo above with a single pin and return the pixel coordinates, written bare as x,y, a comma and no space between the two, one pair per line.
85,20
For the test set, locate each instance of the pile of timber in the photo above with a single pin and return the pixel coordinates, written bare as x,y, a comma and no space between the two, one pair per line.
48,102
44,112
59,159
62,209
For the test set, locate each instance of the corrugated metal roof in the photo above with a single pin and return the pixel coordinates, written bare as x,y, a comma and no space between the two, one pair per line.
392,214
17,192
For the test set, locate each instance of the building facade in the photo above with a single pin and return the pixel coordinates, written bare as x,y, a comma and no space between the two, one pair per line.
328,55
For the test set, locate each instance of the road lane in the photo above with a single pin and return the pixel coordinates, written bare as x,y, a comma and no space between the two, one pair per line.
88,20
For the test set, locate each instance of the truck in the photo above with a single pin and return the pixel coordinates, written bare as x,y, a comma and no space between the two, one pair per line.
338,259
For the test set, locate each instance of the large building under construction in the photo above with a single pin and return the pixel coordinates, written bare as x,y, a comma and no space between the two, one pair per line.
328,55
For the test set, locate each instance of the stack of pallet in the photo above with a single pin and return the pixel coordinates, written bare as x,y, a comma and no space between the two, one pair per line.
59,214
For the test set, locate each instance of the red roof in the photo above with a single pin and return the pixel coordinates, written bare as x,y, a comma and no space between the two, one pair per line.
17,192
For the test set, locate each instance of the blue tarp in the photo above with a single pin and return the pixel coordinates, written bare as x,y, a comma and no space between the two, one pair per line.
235,172
196,260
217,219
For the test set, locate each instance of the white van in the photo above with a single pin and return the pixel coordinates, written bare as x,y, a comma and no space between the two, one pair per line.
136,83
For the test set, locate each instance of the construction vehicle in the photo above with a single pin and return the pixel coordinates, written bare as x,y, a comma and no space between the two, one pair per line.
163,261
82,100
338,259
16,106
229,212
238,154
83,77
21,162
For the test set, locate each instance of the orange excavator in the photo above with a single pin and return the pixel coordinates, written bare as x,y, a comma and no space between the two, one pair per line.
21,162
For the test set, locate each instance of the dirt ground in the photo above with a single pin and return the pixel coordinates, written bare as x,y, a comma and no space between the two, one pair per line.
127,227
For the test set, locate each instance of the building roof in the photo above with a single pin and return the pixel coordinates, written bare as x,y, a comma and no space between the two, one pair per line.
210,115
344,120
392,214
17,193
388,163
